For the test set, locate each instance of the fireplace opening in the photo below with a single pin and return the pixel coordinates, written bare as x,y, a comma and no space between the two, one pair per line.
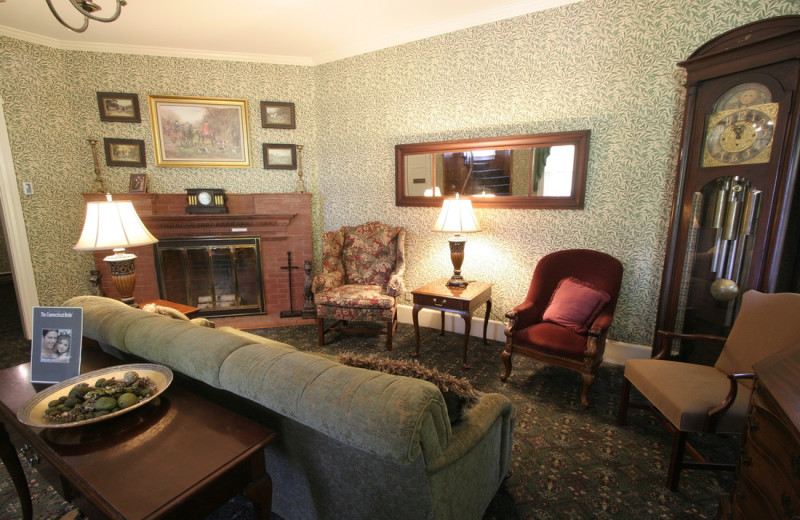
221,276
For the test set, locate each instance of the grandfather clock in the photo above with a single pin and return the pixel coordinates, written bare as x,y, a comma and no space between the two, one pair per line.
736,215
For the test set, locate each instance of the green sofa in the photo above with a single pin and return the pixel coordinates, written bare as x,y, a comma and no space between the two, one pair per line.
354,443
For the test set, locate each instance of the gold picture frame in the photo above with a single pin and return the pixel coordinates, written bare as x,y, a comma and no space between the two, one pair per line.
200,131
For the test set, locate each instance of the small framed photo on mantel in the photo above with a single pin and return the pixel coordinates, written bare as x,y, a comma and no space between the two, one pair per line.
56,343
138,183
280,156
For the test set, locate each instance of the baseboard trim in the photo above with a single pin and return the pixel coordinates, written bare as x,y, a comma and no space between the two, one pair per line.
617,352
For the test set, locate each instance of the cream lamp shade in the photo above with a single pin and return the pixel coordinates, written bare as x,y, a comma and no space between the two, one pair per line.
457,217
115,225
112,225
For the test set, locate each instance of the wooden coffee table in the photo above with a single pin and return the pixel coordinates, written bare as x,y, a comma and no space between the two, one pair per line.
180,456
459,300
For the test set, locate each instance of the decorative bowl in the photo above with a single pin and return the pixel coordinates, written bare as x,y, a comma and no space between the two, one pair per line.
32,412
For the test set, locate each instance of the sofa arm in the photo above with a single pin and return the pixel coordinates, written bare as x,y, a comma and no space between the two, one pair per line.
474,426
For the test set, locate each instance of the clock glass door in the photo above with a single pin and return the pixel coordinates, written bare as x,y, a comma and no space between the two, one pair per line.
722,232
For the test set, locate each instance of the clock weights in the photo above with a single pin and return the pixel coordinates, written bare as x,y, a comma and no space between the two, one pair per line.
736,212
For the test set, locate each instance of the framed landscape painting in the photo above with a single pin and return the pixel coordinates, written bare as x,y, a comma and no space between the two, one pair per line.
277,114
197,131
118,107
125,152
280,156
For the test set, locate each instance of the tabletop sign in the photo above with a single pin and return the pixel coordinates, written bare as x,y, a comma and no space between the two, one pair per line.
56,343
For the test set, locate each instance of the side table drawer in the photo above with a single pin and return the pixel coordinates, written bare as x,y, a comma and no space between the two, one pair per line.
441,301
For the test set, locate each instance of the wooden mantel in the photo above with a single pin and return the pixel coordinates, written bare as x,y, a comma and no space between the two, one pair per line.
281,220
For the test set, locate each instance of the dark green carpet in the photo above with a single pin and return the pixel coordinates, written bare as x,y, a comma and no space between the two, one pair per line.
567,463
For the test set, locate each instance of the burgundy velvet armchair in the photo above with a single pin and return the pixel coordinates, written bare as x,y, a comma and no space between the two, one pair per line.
566,314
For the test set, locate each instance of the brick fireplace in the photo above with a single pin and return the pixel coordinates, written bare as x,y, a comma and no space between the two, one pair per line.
282,221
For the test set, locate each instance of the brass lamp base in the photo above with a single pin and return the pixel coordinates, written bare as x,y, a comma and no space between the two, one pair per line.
457,242
123,272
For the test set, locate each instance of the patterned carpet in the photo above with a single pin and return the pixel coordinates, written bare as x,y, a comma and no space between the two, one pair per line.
568,463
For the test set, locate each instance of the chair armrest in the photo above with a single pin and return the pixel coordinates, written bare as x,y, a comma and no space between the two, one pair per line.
601,325
397,285
716,412
669,335
325,281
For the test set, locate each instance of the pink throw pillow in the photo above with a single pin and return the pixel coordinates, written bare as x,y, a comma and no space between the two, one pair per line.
575,304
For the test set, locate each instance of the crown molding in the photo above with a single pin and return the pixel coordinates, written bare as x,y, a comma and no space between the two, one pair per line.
451,25
152,51
419,33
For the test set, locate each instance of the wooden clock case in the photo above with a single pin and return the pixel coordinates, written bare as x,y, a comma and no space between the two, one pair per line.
705,275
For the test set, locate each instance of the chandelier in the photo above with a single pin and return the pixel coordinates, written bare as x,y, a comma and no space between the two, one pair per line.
87,9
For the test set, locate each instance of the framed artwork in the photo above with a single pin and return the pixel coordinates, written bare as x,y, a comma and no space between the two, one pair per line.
138,183
280,156
118,107
125,152
56,343
197,131
275,114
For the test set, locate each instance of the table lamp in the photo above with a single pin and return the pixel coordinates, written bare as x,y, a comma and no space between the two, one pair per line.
457,217
115,225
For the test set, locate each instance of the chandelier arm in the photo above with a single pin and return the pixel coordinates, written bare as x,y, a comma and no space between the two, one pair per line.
65,24
89,14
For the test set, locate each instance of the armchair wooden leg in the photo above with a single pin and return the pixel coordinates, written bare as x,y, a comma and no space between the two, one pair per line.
588,379
624,399
321,329
389,333
506,355
676,460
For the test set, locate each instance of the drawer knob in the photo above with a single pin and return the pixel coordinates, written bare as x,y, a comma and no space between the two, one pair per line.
439,303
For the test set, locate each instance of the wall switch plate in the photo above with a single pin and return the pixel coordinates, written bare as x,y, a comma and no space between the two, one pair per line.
27,188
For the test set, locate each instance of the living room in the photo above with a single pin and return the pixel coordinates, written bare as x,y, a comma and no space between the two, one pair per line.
605,65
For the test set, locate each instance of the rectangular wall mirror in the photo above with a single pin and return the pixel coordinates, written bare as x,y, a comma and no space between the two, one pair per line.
544,171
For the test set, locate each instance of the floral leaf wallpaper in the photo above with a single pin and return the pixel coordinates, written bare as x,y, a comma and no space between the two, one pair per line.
604,65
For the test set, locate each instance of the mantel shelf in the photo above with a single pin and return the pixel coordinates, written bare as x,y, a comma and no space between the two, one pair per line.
218,220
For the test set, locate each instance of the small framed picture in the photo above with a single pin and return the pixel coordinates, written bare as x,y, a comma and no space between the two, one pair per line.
275,114
138,183
125,152
118,107
280,156
56,343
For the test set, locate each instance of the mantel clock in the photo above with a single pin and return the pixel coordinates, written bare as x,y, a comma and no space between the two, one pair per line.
205,200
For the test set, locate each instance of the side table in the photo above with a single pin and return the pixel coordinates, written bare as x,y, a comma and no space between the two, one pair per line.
181,456
459,300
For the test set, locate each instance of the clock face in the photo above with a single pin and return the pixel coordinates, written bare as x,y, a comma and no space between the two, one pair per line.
204,198
740,136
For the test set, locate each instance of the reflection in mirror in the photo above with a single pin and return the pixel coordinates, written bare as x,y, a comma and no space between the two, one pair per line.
530,171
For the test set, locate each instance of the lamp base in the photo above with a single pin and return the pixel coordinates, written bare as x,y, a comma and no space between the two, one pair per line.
457,281
123,273
457,243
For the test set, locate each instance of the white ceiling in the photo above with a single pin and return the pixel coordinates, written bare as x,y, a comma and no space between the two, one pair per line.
299,32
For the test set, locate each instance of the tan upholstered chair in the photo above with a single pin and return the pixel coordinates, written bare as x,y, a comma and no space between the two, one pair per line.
566,314
698,398
362,273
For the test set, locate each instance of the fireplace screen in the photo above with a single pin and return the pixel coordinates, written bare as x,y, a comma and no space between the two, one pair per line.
220,276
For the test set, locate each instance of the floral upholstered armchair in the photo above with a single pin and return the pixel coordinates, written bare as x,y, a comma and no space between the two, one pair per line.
362,274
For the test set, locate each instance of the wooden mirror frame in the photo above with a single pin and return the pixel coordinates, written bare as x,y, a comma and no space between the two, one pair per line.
579,138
